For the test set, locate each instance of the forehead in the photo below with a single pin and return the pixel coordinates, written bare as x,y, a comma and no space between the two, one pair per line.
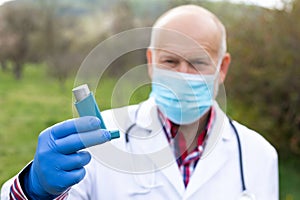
188,31
169,42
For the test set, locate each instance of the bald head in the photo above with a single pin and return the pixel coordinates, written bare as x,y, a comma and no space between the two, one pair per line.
196,23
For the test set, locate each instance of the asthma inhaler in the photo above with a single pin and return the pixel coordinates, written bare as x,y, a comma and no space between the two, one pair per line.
86,106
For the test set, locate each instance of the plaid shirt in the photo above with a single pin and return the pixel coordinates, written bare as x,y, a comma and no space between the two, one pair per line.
186,161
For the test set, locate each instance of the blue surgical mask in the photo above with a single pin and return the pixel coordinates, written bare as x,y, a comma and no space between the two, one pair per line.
181,97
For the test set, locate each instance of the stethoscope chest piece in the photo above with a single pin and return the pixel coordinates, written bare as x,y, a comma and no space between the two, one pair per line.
246,196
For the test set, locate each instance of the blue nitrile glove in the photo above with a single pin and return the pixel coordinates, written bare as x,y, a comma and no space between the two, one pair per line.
57,165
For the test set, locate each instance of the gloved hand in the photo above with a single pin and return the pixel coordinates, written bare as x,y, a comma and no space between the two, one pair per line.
57,164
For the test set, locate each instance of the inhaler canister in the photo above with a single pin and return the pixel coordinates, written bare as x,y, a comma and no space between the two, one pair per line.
86,106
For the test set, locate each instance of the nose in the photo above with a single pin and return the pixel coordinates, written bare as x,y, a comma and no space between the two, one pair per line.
184,67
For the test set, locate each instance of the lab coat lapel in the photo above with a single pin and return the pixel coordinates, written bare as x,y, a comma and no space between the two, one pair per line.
162,155
215,155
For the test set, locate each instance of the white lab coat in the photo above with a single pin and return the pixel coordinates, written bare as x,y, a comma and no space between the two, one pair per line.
149,170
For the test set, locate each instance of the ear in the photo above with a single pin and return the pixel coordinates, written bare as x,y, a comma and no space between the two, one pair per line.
149,62
224,67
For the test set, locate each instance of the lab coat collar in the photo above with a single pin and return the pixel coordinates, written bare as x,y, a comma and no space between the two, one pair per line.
214,156
149,108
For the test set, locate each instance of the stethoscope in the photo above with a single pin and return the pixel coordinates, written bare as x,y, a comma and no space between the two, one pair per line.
245,195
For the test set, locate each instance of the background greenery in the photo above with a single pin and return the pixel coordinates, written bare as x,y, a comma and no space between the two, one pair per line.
42,44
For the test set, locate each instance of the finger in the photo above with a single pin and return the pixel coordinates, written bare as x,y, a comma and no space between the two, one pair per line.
78,141
68,179
75,161
68,127
74,176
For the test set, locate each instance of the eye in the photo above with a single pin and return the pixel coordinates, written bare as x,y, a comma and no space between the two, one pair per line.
199,64
169,61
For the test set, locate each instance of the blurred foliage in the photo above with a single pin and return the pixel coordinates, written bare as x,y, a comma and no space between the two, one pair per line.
264,76
263,82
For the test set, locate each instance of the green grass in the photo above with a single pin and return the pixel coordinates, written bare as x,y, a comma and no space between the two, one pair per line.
289,175
37,101
27,107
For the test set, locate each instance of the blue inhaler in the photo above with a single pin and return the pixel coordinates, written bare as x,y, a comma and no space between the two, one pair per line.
86,106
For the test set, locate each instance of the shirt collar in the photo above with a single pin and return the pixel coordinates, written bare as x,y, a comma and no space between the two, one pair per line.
171,129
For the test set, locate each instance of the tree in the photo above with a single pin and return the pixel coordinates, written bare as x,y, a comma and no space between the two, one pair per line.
57,41
123,18
18,23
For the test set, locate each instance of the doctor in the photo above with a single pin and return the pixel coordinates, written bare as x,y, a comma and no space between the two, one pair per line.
176,145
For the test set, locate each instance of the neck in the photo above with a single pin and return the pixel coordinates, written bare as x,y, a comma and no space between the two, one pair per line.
191,131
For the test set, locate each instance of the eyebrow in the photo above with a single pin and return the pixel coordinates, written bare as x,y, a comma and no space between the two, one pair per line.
192,58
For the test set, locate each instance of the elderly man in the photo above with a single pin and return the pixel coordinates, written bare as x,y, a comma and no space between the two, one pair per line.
182,145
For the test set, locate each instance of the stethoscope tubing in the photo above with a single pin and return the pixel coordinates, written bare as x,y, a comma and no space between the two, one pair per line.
240,154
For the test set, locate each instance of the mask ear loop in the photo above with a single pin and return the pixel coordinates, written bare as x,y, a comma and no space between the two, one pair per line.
215,77
219,64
